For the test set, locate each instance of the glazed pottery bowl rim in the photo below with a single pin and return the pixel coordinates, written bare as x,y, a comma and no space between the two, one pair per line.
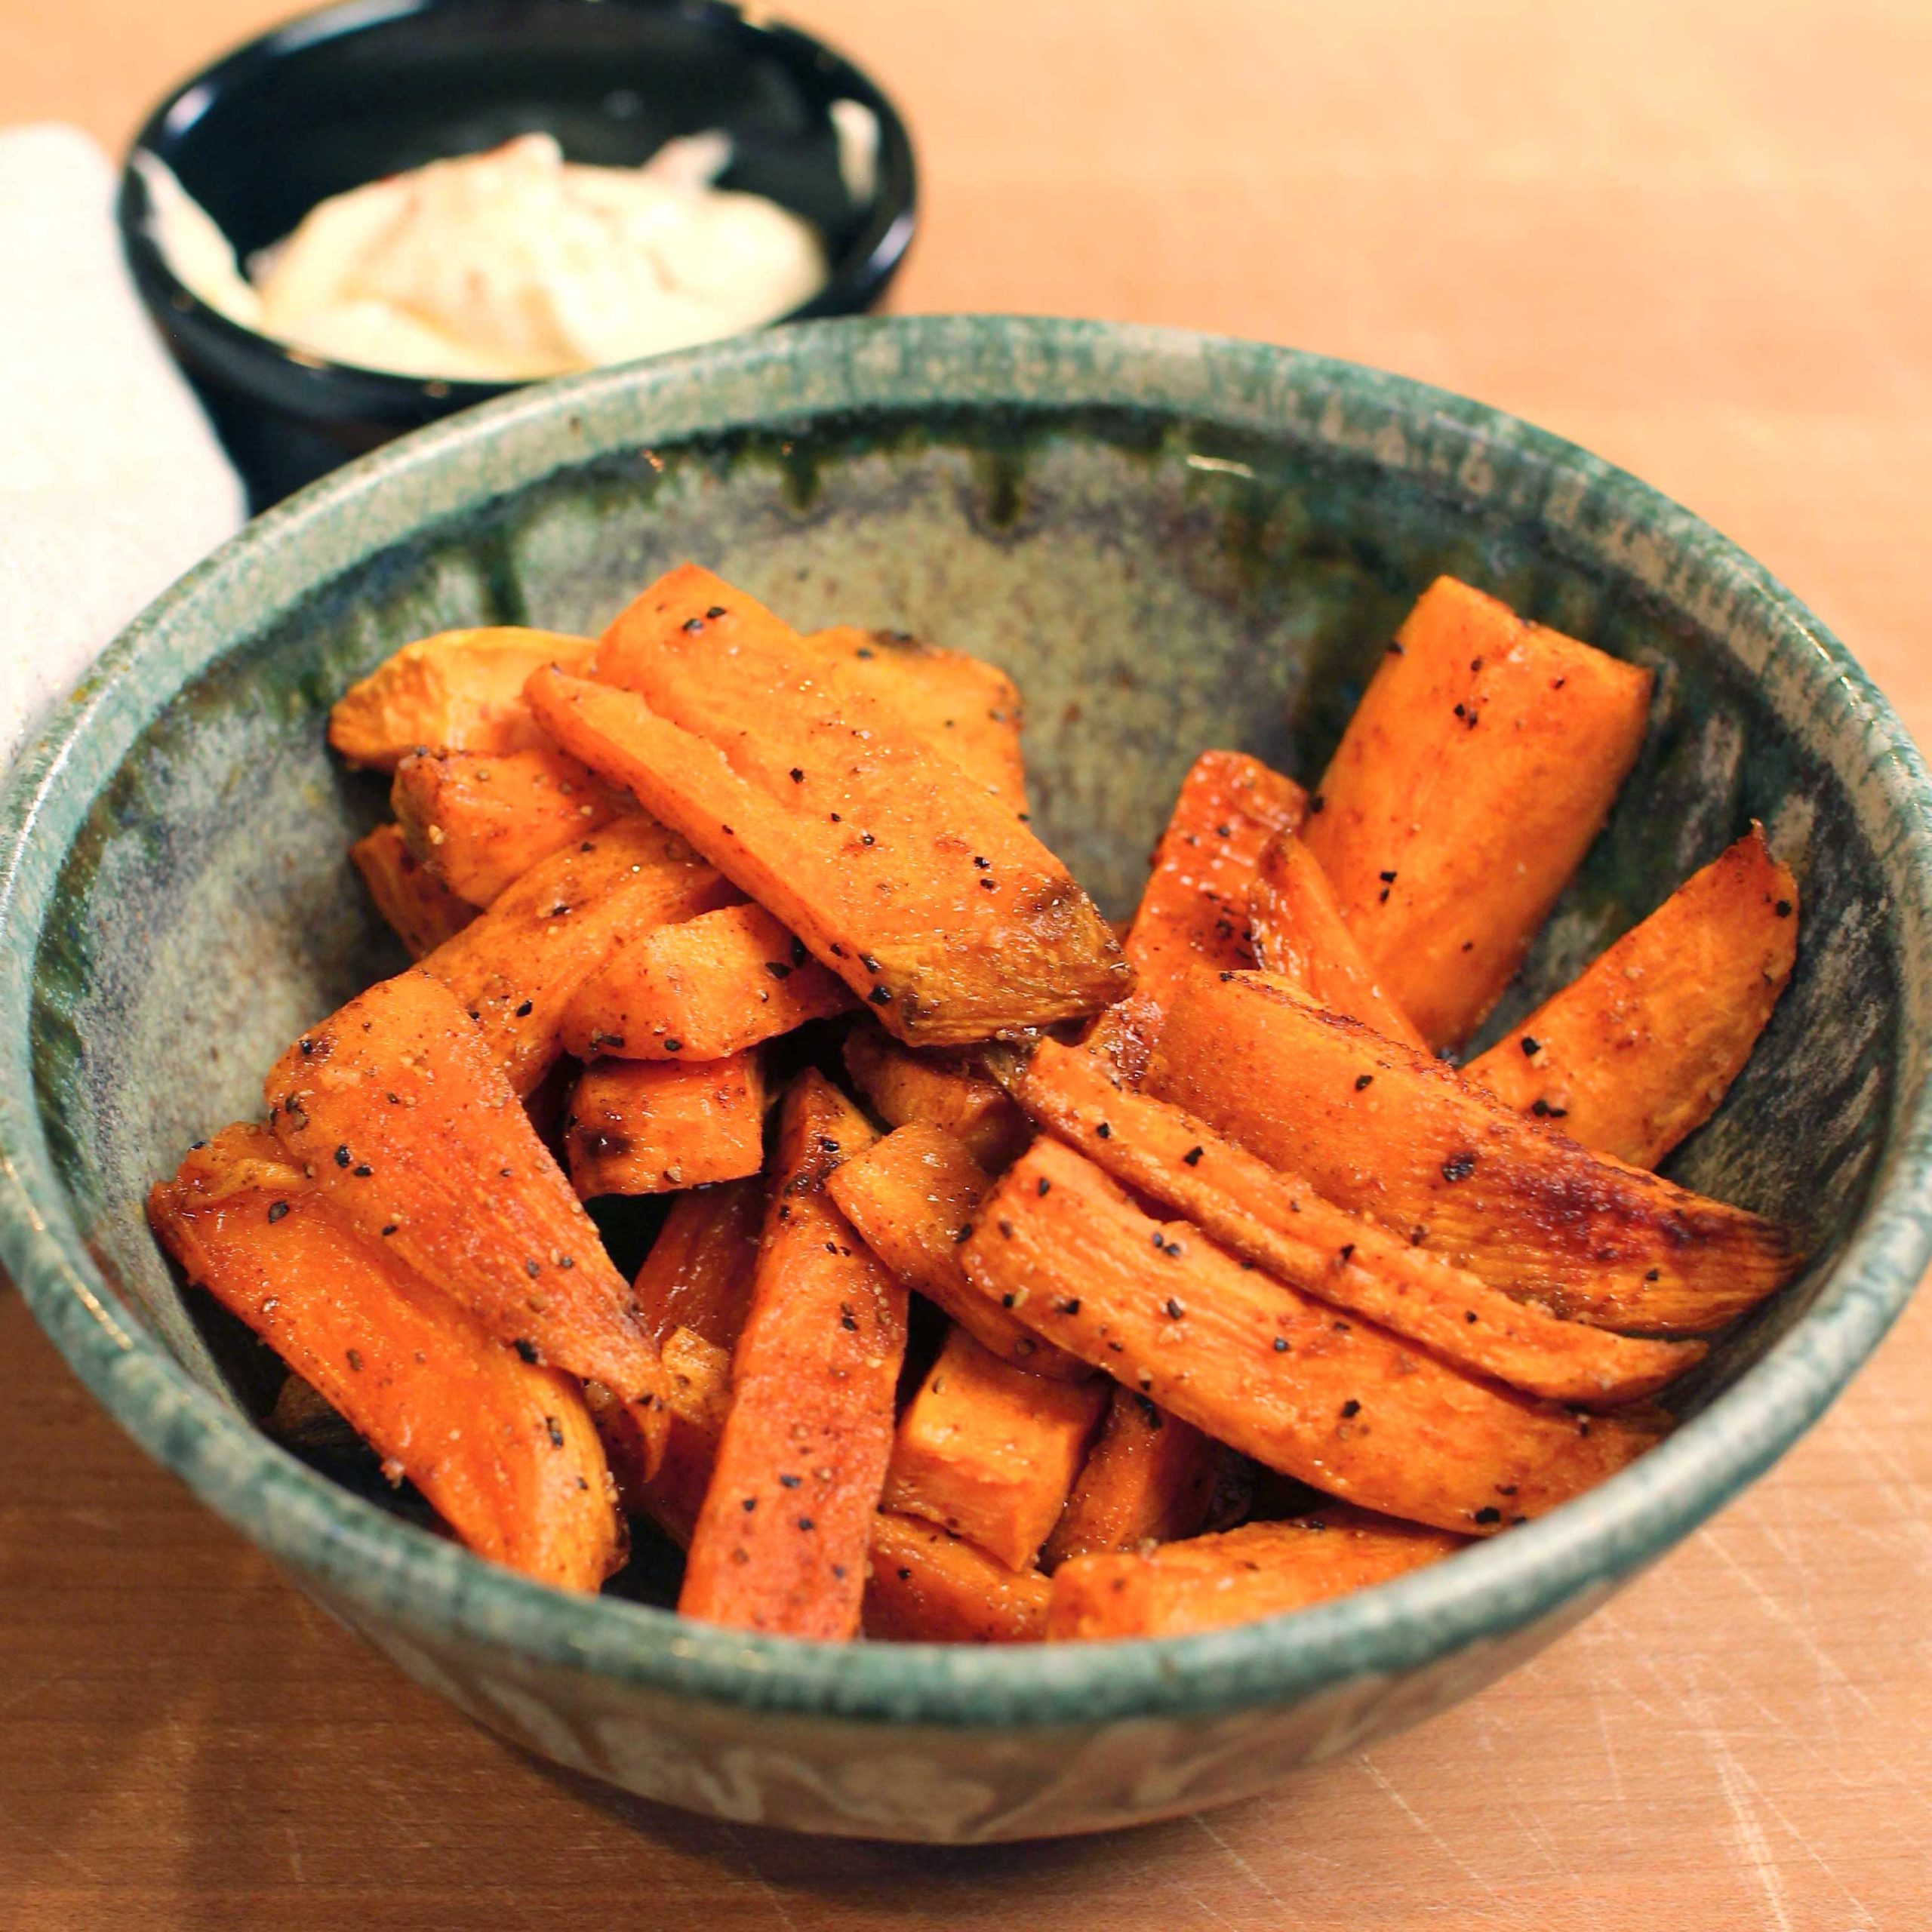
397,1575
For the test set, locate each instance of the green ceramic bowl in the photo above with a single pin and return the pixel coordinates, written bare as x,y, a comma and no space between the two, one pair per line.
1173,542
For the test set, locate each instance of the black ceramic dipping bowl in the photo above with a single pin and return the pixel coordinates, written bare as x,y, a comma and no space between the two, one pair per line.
344,96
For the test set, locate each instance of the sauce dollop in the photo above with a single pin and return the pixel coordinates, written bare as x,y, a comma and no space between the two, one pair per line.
507,265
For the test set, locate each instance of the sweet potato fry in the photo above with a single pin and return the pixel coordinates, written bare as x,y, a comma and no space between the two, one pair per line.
989,1451
781,1542
647,1126
1260,1570
1149,1478
1269,1370
698,1274
1277,1222
670,1492
1480,763
909,1196
693,1292
395,1107
925,1586
458,690
1194,911
942,1089
519,967
697,1381
923,892
504,1450
479,820
1299,935
969,709
423,911
1638,1050
702,989
1388,1133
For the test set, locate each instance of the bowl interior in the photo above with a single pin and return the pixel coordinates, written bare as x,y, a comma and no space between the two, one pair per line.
343,98
1156,583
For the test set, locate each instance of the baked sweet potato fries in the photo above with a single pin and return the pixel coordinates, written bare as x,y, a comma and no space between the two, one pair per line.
1011,1282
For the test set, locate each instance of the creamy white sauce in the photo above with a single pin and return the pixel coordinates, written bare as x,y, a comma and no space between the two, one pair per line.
507,265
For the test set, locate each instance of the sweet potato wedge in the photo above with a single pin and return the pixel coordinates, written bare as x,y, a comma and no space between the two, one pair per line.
396,1109
781,1541
1260,1570
1272,1372
648,1127
924,893
1149,1478
1638,1050
504,1450
1277,1222
1194,909
702,989
697,1381
458,690
693,1297
519,967
698,1274
942,1089
909,1196
925,1586
989,1451
669,1489
1482,760
1299,935
1392,1134
479,820
423,910
968,708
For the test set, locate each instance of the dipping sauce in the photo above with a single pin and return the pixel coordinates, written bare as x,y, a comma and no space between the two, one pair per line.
507,265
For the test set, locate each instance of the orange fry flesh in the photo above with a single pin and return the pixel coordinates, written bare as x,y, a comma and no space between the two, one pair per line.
1638,1050
1277,1222
458,690
422,911
1299,935
909,1196
647,1126
504,1450
703,990
1395,1136
1481,762
1271,1372
1260,1570
479,820
520,966
968,708
1194,909
1149,1478
781,1542
948,1091
694,1292
924,893
925,1586
698,1274
395,1107
989,1451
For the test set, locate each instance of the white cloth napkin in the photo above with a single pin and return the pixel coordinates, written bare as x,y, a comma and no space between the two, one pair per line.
112,484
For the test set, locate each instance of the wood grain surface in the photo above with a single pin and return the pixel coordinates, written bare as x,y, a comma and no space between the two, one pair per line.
1693,234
